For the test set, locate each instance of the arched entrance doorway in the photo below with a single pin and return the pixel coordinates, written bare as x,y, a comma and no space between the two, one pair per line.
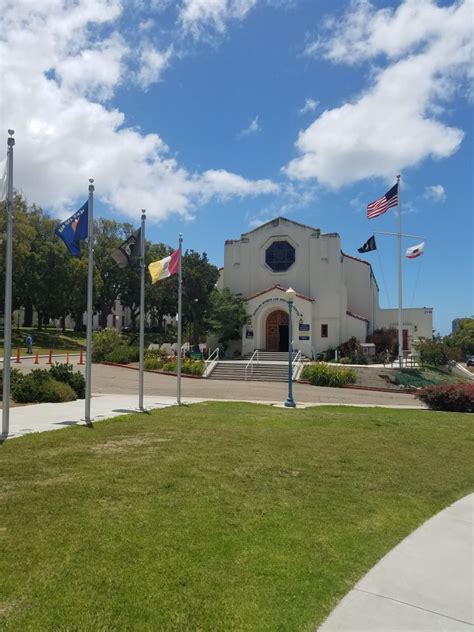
277,331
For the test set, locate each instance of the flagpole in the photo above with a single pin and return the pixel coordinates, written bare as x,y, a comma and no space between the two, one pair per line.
180,310
90,281
142,313
7,317
400,308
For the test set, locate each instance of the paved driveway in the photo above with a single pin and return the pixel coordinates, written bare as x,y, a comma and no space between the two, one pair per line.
111,379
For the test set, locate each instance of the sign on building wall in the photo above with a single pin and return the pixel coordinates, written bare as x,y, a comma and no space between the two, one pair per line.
303,327
303,337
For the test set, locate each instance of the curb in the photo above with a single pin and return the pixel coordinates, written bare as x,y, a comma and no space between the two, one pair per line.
136,368
375,389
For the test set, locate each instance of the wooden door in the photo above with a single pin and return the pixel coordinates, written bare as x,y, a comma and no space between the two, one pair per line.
274,320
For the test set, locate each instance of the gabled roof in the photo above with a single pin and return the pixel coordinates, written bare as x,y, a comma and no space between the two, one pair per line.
282,289
358,316
276,221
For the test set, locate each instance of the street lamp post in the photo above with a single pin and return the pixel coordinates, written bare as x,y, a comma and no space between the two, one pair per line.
290,295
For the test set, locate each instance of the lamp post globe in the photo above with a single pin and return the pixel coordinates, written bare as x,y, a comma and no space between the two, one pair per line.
290,296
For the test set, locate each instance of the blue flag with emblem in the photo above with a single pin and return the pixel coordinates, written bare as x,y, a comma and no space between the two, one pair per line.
75,229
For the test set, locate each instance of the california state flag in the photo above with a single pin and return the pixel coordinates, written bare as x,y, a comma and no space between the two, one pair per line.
164,268
415,251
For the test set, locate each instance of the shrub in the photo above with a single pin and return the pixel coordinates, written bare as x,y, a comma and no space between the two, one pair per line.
345,360
65,373
54,391
123,355
104,342
385,339
189,367
322,374
193,367
15,376
433,352
153,362
450,397
39,386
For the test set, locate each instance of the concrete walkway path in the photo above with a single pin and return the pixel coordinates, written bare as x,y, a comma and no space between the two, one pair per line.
42,417
426,583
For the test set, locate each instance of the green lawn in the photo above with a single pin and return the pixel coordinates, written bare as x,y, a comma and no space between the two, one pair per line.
219,516
45,340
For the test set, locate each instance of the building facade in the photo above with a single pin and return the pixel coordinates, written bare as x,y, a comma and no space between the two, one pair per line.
337,296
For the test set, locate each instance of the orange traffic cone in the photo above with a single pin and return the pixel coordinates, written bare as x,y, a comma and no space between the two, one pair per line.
81,360
18,361
37,357
50,359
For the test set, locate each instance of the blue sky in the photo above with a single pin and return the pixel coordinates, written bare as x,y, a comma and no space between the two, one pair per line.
218,115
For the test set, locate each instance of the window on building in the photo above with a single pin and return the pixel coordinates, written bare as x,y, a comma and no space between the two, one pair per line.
280,256
324,331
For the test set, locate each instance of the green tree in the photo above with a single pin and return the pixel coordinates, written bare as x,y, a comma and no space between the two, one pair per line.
434,352
463,338
227,316
108,235
199,280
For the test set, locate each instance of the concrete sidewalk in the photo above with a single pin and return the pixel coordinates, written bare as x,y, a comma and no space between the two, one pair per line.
425,583
43,417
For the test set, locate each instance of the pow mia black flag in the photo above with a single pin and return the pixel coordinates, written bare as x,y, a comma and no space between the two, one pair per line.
368,246
130,248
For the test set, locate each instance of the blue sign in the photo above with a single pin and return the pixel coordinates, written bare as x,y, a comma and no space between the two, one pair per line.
303,327
304,337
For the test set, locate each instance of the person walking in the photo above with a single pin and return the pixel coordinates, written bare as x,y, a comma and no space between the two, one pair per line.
29,343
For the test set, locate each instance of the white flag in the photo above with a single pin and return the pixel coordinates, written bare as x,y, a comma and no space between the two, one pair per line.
3,179
415,251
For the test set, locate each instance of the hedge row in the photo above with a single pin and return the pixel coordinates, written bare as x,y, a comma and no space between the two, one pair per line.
154,362
322,374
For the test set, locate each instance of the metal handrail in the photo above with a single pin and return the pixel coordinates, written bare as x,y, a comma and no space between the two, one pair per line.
250,362
295,364
211,361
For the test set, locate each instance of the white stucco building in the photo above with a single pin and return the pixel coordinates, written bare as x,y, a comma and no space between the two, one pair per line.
337,294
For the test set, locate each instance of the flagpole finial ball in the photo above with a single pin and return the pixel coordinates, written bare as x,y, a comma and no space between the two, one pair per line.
11,132
91,180
143,213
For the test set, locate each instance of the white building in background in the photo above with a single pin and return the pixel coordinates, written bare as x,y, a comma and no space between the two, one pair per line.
118,319
337,296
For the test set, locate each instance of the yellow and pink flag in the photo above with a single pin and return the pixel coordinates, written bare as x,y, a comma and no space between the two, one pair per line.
164,268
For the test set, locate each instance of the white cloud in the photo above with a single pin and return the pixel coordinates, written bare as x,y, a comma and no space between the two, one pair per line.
152,63
392,125
65,135
196,15
435,193
94,72
309,106
252,128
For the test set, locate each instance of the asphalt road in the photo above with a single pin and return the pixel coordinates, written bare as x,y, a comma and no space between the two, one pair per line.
122,380
110,379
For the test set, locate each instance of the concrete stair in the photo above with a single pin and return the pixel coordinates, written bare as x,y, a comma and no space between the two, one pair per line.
235,370
274,356
272,366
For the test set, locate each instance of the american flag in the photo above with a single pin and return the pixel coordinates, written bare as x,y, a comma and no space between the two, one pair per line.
380,206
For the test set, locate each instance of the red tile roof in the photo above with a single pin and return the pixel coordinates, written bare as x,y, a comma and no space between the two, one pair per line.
357,316
282,289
